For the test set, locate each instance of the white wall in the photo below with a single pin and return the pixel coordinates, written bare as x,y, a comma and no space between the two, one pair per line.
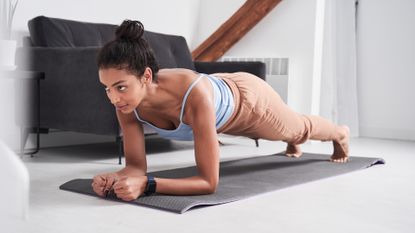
386,68
172,17
211,15
287,31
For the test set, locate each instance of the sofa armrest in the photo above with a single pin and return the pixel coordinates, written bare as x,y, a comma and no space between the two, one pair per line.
72,97
255,68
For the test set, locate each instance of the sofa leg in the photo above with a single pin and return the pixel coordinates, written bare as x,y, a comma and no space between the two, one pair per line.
24,135
119,142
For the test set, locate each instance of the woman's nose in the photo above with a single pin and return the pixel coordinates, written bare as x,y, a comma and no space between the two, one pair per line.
114,99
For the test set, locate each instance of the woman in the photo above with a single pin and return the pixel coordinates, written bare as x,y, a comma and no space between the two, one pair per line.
184,105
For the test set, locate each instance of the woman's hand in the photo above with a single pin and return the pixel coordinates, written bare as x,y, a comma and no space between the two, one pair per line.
129,188
103,183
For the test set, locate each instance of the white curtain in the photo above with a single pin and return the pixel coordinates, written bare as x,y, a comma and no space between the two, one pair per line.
338,90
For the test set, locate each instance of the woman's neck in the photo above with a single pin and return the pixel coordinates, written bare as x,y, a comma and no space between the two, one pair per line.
156,98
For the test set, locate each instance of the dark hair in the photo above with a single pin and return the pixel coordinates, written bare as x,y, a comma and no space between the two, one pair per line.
128,51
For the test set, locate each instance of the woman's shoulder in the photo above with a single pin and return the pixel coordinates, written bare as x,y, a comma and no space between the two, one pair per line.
176,77
177,73
178,81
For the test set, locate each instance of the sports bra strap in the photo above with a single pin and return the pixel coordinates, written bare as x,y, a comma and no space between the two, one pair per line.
187,94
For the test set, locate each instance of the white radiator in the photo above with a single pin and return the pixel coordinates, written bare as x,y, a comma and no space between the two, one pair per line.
276,73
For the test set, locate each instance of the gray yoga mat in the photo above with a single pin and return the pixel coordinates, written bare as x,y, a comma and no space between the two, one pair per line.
242,178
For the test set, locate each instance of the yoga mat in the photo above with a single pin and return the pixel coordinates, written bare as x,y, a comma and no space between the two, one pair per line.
242,178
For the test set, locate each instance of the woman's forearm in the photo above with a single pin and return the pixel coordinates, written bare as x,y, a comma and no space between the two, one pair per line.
194,185
131,171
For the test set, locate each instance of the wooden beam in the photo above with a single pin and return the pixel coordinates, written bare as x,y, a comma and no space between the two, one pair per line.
233,29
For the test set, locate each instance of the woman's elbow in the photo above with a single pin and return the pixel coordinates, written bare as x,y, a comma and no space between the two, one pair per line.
212,186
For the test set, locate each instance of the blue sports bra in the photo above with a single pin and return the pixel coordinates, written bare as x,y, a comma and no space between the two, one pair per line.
224,107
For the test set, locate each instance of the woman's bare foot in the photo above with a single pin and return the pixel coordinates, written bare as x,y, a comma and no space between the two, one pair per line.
293,151
341,146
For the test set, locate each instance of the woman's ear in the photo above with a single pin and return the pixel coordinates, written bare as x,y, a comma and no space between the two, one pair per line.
148,76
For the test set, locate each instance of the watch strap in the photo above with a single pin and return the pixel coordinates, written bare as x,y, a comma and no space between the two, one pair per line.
151,186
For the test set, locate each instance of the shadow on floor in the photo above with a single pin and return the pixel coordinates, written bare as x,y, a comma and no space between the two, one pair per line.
105,151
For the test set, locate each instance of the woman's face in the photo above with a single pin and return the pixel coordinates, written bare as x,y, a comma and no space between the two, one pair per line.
124,89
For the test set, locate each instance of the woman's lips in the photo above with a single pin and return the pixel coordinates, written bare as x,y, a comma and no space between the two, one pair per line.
121,107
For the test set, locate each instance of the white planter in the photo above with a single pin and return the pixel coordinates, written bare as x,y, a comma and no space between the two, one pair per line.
7,54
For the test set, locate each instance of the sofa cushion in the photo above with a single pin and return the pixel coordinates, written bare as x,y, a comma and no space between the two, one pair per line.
171,51
53,32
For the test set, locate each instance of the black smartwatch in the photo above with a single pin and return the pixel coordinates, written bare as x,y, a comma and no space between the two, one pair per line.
151,186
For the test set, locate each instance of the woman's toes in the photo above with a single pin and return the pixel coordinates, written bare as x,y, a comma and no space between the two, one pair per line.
294,155
298,155
339,160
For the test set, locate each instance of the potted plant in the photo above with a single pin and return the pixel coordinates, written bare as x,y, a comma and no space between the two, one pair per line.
7,45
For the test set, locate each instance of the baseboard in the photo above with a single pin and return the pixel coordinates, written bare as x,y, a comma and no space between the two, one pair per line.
385,133
66,138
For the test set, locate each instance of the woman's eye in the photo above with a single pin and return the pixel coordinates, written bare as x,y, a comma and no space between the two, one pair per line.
121,88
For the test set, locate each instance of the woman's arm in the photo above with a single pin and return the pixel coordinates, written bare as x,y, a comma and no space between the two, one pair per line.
200,115
134,146
134,151
202,119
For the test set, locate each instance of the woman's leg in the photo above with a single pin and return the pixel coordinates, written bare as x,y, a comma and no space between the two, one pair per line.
282,123
318,128
263,114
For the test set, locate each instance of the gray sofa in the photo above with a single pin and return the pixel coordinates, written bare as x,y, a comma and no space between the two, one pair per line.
71,96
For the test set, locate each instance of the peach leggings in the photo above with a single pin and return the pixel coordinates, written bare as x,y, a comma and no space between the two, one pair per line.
260,113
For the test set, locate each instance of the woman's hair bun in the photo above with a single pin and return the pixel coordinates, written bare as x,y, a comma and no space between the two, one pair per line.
130,30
